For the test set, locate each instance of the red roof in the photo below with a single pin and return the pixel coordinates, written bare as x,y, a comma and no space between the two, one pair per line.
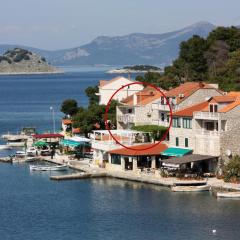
48,135
147,95
188,111
67,121
156,150
188,89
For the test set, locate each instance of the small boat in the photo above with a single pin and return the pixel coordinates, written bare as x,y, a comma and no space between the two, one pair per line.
198,186
228,194
48,168
5,147
20,154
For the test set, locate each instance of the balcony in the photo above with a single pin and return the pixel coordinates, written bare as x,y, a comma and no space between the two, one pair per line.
204,132
163,107
160,123
207,115
126,118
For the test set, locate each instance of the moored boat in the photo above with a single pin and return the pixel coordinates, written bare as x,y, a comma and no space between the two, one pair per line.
197,186
48,168
228,194
5,147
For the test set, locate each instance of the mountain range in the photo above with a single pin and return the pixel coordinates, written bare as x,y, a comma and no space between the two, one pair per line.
136,48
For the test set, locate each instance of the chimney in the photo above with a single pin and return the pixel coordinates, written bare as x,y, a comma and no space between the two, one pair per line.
201,84
134,99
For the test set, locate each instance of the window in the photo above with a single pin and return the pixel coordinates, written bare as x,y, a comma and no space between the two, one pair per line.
176,122
187,123
115,159
162,100
162,117
177,141
213,108
186,142
130,110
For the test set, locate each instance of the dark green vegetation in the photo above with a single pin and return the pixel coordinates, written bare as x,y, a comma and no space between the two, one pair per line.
232,170
156,131
16,55
69,107
142,68
91,117
215,59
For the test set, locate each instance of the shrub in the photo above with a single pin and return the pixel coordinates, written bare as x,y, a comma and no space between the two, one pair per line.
232,170
156,131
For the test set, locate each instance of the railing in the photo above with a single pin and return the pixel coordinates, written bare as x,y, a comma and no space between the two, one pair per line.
126,118
207,132
207,115
160,123
163,107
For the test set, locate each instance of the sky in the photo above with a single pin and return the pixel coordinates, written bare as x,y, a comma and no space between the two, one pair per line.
59,24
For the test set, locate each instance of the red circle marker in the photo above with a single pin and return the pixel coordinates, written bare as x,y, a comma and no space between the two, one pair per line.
108,106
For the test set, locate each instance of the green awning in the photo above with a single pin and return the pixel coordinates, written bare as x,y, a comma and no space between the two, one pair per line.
40,144
176,152
71,143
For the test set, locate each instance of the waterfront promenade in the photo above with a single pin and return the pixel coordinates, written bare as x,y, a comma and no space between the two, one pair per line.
92,171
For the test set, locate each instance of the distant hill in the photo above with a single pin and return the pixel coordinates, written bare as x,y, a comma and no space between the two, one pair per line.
21,61
136,48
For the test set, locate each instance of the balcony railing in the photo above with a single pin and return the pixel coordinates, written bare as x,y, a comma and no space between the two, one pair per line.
160,123
207,115
126,118
163,107
204,132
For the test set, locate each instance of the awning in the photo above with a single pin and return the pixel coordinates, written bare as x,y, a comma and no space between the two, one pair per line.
71,143
187,159
176,152
40,144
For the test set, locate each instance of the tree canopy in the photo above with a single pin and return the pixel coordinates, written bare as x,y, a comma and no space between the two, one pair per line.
69,107
214,59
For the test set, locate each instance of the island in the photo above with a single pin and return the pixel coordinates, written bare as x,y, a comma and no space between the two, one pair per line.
136,69
21,61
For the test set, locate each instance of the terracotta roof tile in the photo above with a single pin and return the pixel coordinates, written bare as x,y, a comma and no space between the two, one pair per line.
188,112
147,95
230,106
188,89
67,121
156,150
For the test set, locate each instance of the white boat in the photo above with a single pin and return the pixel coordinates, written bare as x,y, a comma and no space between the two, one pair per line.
48,168
5,147
191,186
20,154
228,194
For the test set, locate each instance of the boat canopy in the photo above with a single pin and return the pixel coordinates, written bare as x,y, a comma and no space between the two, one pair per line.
71,143
40,144
176,152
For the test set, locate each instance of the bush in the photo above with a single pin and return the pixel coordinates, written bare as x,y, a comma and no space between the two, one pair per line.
156,131
232,170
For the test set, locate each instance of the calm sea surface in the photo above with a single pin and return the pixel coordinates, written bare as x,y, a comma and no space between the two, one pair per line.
33,208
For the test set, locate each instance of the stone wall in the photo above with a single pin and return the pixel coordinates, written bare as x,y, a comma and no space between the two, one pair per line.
230,139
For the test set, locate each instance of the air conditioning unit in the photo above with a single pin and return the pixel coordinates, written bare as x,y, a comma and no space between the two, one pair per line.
181,95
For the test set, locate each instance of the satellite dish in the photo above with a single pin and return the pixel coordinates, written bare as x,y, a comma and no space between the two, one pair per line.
228,152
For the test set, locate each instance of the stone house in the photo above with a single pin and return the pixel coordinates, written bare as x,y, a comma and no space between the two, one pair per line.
209,128
180,97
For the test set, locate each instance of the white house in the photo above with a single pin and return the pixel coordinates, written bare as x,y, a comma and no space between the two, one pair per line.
108,87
